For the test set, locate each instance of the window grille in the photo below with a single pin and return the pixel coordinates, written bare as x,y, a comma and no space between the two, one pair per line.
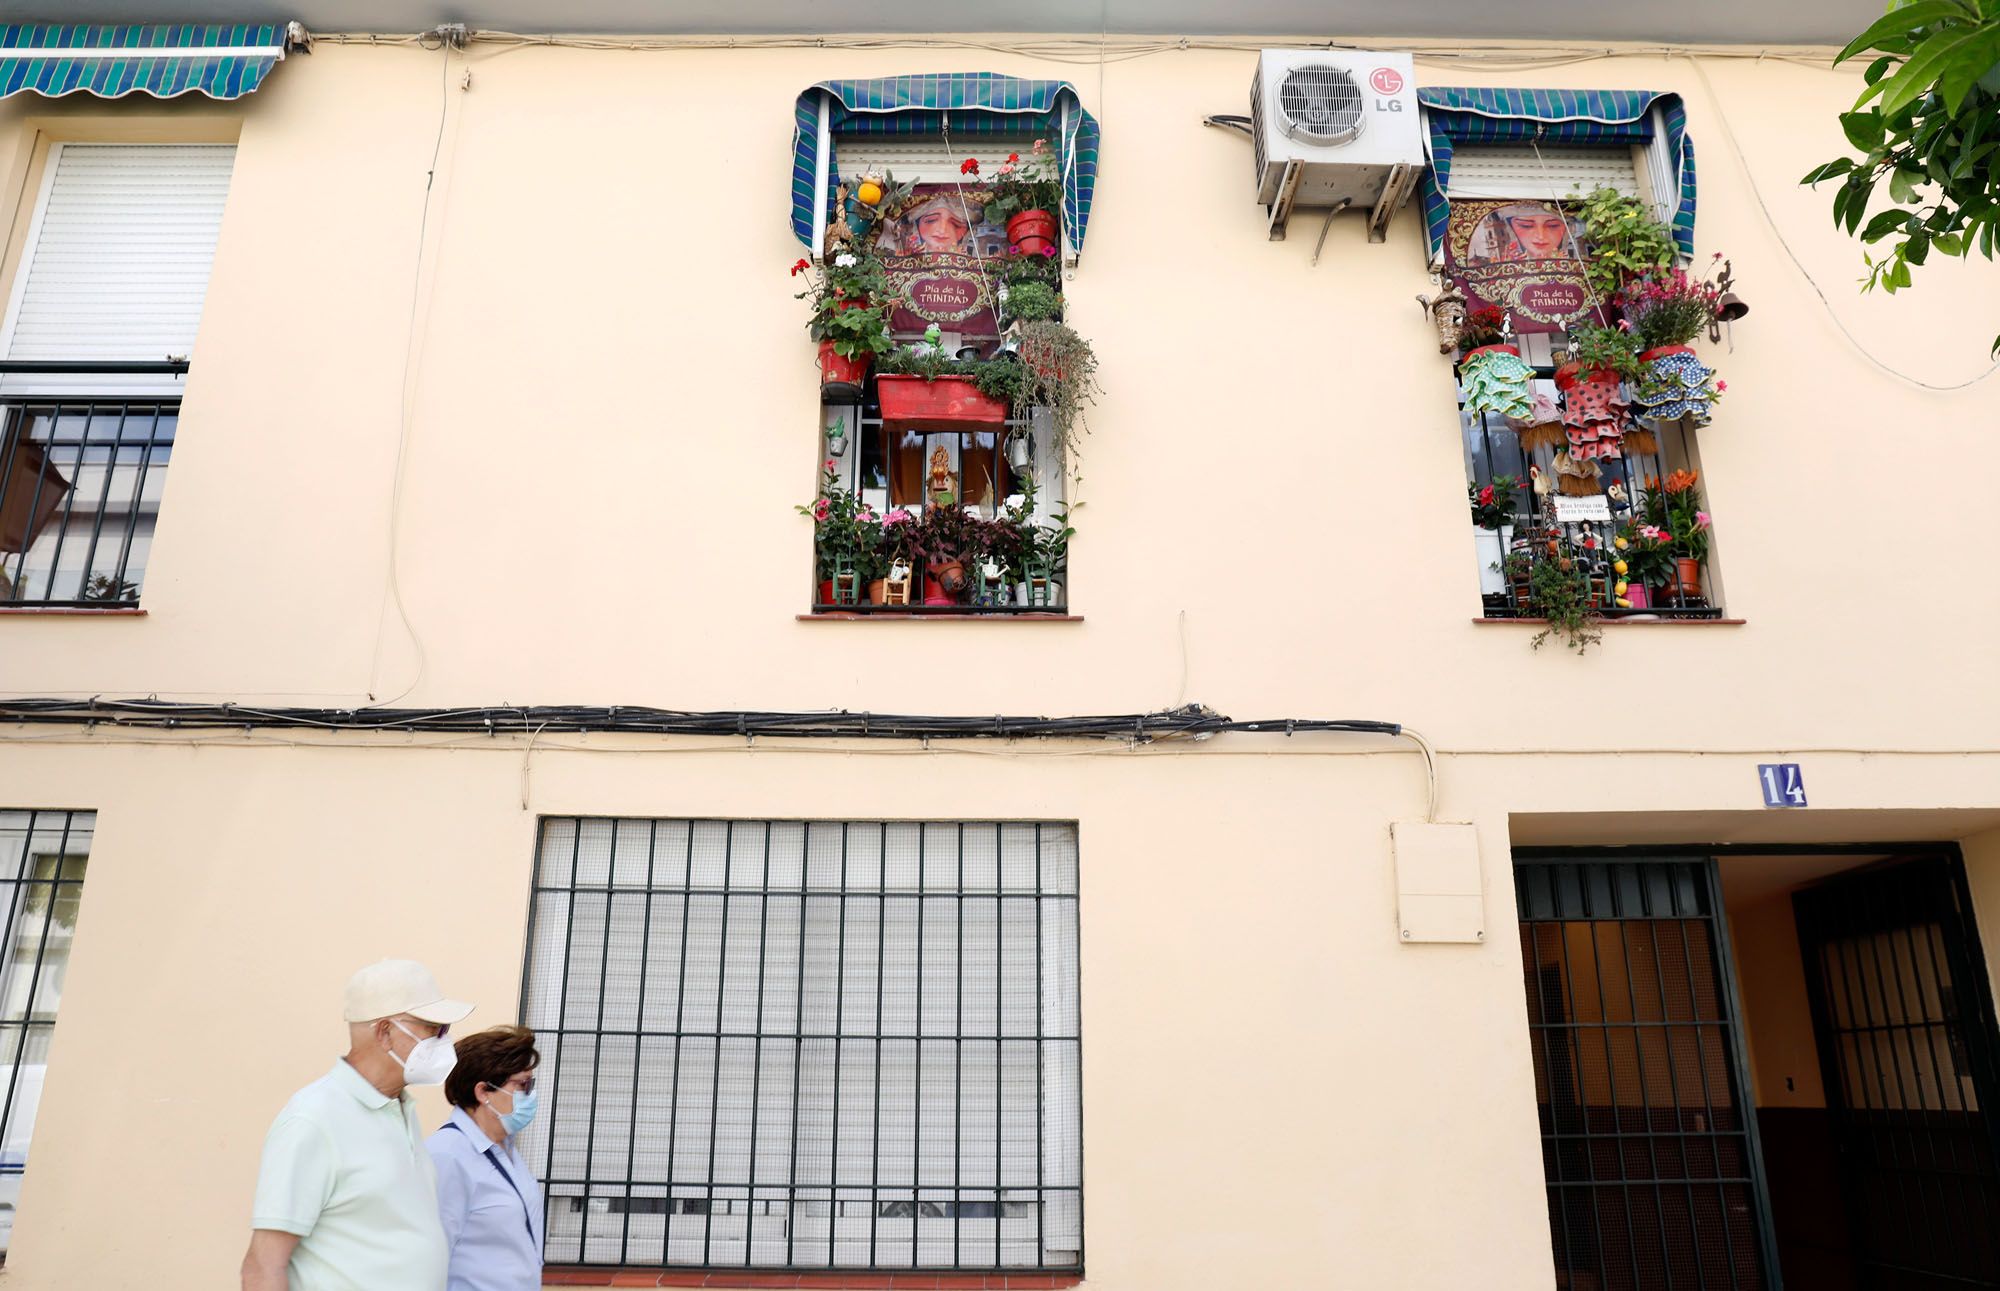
1648,1143
80,488
42,859
786,1044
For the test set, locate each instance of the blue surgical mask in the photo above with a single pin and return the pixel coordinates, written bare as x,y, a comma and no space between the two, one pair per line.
518,1119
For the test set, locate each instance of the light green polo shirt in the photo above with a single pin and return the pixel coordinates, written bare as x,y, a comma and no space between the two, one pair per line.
345,1168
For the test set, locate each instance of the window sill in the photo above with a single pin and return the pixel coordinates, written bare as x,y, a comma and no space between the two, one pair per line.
917,616
1625,621
109,612
860,1279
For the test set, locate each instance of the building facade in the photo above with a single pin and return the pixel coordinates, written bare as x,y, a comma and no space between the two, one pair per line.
438,377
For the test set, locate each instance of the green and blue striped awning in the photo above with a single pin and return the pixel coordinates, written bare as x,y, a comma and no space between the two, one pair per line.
163,60
967,103
1455,115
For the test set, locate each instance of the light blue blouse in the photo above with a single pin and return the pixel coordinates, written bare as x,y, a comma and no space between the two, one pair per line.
491,1208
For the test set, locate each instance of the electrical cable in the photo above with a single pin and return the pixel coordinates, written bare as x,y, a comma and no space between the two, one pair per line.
1749,176
1188,721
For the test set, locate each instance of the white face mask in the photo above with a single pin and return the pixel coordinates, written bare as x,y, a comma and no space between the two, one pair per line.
430,1062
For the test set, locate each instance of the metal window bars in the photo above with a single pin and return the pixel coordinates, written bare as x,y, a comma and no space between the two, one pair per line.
80,484
43,855
807,1045
1493,448
1038,588
1650,1155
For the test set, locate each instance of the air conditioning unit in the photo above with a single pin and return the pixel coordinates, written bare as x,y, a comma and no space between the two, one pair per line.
1334,129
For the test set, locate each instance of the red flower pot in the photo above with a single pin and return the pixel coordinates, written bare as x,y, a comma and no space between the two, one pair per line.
1662,351
840,379
1514,350
944,580
948,403
1636,593
825,592
1687,575
1570,375
1032,231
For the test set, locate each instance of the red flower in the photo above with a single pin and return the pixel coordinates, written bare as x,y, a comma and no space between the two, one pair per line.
1013,157
970,166
801,267
1486,496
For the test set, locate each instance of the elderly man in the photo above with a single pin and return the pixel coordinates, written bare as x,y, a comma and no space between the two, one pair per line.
347,1195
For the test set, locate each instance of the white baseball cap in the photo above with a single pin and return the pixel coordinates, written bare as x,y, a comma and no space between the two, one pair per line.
397,986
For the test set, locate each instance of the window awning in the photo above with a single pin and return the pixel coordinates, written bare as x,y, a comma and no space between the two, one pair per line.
1455,115
163,60
968,103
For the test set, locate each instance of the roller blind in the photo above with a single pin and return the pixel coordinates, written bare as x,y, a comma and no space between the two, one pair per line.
925,159
1557,171
117,259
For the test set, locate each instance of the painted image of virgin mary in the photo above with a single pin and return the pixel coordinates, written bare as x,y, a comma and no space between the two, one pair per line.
1524,231
939,225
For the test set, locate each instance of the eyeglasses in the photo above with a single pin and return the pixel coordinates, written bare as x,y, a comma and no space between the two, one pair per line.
521,1084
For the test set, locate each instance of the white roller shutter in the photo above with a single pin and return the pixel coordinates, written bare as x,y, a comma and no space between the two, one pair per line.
925,159
1515,170
117,258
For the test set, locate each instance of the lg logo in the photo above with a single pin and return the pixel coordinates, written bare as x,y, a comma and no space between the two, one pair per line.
1386,80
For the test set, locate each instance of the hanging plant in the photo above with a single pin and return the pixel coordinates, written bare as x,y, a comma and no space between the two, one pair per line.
1625,241
1063,371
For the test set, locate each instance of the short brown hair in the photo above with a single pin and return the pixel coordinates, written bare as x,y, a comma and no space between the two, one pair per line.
491,1058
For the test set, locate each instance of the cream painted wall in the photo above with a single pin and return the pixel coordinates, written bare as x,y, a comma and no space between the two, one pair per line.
612,414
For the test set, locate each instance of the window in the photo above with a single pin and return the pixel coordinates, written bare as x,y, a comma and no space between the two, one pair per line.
42,860
98,329
784,1044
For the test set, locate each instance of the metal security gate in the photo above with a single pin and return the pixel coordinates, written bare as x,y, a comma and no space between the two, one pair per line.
1905,1028
1648,1145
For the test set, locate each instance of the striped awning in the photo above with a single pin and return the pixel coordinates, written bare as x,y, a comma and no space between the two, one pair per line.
163,60
967,103
1454,115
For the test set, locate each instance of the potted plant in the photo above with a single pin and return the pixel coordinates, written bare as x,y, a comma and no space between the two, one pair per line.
1492,372
1665,310
923,388
1484,328
945,541
1492,510
850,299
1046,556
1060,374
1027,193
1687,526
1598,354
1625,242
1030,301
1644,564
892,559
847,541
1559,591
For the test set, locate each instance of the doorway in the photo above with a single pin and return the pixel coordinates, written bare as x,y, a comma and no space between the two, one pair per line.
1755,1071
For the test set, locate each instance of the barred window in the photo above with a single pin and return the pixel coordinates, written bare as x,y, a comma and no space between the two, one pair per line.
787,1044
42,859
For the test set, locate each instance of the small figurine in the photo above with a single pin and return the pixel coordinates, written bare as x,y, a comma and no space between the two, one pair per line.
941,473
1539,480
1447,313
1621,504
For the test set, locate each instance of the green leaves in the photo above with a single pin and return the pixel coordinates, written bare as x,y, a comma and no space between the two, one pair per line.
1865,130
1838,166
1893,30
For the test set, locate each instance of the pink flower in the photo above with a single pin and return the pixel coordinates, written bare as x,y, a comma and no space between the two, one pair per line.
970,166
896,516
1721,386
820,509
828,464
1013,248
1041,145
865,516
1048,251
1701,519
1005,170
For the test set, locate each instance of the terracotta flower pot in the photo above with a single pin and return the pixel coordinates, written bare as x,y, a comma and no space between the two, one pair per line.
825,596
840,380
944,582
1032,231
878,591
1687,576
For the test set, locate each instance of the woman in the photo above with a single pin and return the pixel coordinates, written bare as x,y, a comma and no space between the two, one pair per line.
488,1200
1537,232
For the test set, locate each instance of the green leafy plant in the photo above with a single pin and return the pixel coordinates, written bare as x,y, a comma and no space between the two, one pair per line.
1064,372
1927,123
1648,554
1625,241
1493,504
851,300
1558,591
1613,349
1033,301
1031,183
845,527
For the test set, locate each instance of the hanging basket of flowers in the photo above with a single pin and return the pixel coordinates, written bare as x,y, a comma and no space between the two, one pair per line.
1027,193
1666,309
1495,377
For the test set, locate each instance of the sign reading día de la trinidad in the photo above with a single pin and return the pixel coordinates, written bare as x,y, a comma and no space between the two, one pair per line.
1524,257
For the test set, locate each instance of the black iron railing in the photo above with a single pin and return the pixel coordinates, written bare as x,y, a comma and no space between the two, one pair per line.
1493,448
81,478
1024,589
